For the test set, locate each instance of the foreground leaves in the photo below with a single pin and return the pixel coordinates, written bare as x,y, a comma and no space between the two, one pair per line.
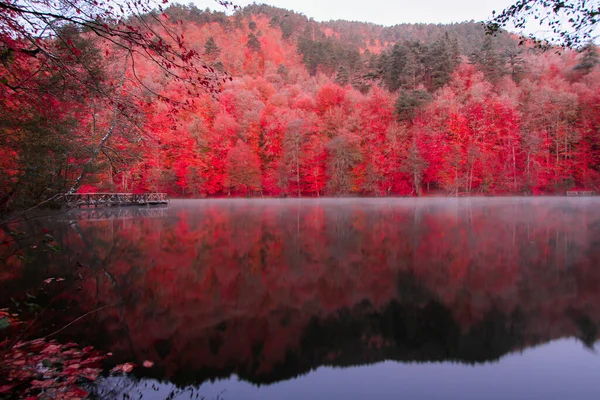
41,369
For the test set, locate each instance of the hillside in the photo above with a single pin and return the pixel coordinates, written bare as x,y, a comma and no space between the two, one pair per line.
305,108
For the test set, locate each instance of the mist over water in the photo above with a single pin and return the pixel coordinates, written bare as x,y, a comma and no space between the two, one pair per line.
334,298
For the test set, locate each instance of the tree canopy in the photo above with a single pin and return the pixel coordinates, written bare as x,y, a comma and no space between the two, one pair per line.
311,108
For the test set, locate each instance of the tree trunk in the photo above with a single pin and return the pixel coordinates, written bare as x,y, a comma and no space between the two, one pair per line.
105,138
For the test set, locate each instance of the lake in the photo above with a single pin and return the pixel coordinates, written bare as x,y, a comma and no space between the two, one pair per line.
430,298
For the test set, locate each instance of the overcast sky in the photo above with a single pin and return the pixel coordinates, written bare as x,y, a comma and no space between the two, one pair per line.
384,12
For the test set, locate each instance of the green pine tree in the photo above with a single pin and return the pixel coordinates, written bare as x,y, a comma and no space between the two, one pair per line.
211,50
253,43
589,58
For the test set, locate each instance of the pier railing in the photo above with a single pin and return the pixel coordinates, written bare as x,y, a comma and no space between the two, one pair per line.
114,199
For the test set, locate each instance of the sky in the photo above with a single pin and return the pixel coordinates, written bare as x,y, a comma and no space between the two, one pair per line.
383,12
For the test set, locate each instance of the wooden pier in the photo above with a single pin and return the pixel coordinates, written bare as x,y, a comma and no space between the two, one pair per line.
114,199
571,193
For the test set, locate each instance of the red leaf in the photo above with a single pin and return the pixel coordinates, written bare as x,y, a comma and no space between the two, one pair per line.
43,384
6,388
52,349
76,393
127,367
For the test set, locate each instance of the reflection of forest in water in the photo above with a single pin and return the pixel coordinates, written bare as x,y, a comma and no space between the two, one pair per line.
270,289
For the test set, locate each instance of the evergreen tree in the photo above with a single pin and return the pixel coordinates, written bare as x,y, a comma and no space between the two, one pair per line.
211,50
443,56
342,76
283,71
515,63
326,54
392,66
287,28
237,20
343,157
274,22
253,43
413,74
589,58
489,61
403,67
410,102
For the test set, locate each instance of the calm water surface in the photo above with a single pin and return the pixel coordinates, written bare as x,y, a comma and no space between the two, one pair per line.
331,299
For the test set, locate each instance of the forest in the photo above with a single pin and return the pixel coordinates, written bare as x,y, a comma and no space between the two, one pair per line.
290,106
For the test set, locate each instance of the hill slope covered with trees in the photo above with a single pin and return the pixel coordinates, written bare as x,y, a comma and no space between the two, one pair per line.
304,108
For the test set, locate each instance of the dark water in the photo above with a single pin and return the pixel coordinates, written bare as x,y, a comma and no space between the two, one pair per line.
332,299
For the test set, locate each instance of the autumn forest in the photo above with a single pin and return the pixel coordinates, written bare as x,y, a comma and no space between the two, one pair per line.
293,107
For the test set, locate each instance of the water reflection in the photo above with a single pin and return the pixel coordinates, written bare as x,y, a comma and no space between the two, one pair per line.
271,289
533,374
